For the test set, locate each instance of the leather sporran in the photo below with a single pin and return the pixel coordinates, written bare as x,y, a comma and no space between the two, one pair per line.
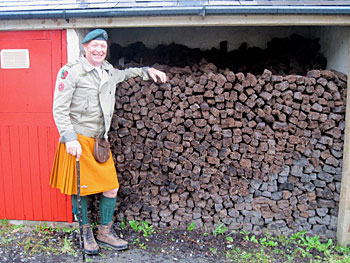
101,150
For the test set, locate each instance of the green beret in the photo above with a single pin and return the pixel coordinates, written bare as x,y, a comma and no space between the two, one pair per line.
99,34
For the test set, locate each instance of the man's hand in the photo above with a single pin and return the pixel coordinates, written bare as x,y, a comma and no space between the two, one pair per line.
74,148
156,74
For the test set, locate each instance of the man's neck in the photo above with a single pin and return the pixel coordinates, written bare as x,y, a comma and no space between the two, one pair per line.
94,64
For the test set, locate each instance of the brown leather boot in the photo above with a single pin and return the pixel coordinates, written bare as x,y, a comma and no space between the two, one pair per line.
107,237
90,245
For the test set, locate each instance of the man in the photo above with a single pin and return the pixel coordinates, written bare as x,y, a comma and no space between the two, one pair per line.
83,107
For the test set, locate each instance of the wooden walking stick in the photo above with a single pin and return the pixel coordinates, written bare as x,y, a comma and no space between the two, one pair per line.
80,217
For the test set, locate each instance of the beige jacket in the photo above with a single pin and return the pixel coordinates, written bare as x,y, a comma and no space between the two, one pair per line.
84,102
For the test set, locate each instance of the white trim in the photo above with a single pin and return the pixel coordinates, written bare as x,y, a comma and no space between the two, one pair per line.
343,227
73,50
168,21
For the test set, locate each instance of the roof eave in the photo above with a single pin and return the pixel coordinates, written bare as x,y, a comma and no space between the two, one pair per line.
201,11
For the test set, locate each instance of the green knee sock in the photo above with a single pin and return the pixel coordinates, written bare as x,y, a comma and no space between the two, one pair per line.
84,205
107,206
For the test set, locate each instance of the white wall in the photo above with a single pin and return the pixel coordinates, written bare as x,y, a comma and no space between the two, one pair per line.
334,46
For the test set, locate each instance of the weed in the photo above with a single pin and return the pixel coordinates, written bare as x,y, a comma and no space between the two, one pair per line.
251,239
220,230
94,225
234,254
229,239
343,250
280,238
5,241
262,257
214,250
141,245
290,258
68,230
314,242
296,236
307,243
6,227
4,222
123,224
246,255
136,241
17,226
34,246
44,228
142,226
268,243
304,253
244,232
67,247
191,226
228,255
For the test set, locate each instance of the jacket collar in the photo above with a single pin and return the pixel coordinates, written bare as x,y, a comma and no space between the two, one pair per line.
88,67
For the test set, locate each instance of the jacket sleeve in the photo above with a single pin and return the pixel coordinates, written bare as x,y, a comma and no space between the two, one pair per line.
125,74
64,89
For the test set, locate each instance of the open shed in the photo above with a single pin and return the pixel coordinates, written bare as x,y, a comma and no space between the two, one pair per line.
39,37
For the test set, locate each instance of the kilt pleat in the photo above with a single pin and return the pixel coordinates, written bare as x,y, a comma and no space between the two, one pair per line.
94,176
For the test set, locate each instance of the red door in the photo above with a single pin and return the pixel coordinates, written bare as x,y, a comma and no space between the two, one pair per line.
28,137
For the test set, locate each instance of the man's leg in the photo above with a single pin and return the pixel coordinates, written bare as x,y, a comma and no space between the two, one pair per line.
84,207
90,244
106,234
108,201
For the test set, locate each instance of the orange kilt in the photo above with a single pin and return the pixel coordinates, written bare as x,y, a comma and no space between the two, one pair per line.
95,177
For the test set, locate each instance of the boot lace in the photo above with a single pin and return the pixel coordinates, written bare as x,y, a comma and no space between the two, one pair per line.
89,235
113,233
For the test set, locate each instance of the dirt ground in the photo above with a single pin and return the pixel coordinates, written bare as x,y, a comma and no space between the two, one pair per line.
49,244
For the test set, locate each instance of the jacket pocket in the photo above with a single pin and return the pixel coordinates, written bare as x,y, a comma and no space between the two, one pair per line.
84,108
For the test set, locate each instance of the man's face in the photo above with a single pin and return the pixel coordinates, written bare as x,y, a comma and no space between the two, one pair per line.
95,51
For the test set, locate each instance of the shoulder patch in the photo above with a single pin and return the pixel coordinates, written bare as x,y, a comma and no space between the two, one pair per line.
61,86
64,74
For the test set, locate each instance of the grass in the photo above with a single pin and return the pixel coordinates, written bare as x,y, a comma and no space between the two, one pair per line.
37,241
289,249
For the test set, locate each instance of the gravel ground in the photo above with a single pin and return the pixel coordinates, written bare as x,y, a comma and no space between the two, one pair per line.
42,243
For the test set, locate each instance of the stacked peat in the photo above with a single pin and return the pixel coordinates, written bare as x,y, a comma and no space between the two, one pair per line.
211,146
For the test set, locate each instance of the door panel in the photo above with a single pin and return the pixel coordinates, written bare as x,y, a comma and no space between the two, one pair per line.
28,137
